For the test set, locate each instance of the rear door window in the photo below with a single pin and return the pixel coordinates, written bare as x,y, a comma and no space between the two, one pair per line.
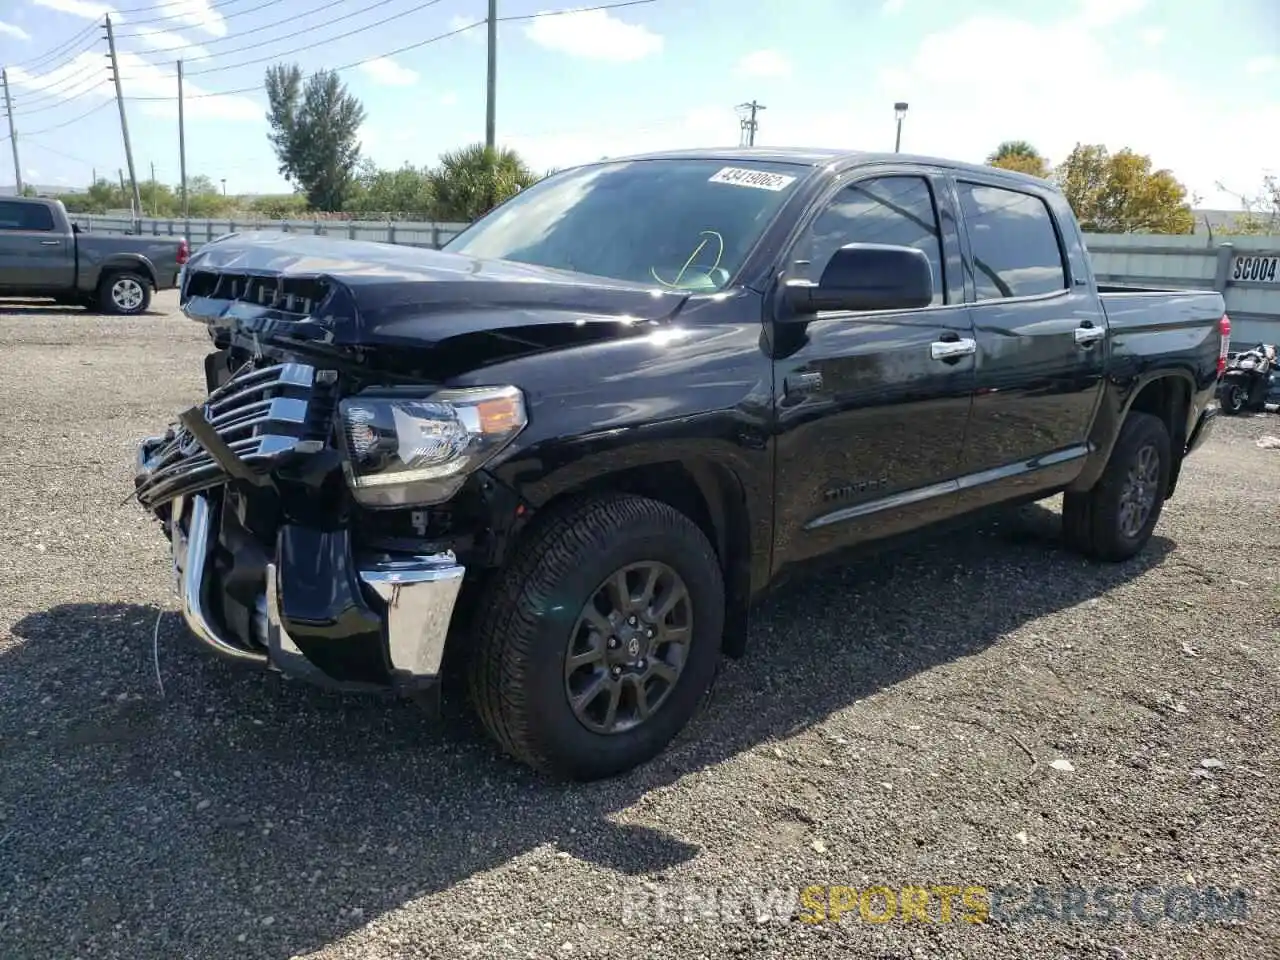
1012,241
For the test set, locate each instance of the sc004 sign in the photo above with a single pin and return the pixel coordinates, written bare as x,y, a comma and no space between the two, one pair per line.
1256,269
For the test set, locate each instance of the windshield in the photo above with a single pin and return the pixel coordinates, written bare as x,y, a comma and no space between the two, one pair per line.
682,224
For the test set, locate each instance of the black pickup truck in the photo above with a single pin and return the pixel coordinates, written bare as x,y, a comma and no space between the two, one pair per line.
581,440
44,254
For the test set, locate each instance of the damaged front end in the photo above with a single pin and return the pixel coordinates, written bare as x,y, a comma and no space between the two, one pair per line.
324,536
328,499
268,568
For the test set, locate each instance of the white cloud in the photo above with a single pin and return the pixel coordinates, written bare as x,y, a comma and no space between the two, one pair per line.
193,13
893,6
32,172
1153,36
145,80
386,71
448,99
1101,13
168,40
13,30
765,63
1257,66
963,106
88,9
595,34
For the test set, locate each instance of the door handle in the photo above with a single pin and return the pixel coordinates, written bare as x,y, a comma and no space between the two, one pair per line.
1088,336
50,243
952,349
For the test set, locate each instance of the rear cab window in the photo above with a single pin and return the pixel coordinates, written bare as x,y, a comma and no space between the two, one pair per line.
1013,243
25,216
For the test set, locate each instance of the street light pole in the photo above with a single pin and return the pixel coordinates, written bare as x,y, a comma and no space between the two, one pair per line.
899,111
224,187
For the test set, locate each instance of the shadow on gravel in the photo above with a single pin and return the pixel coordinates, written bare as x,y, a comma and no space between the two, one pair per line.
47,308
142,826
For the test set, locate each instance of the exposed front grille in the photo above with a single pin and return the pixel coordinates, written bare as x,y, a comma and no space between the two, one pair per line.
295,296
260,414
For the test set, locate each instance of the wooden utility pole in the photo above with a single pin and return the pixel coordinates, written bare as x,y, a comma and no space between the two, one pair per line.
124,121
490,111
749,122
13,133
182,144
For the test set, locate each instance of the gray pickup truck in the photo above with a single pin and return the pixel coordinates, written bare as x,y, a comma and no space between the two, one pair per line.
43,254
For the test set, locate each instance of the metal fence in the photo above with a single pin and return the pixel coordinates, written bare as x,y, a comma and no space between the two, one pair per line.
404,232
1252,296
1245,270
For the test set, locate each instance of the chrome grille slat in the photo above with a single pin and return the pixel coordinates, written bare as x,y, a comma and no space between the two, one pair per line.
259,414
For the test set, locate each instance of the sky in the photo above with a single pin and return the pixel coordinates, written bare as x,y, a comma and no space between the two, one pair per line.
1193,84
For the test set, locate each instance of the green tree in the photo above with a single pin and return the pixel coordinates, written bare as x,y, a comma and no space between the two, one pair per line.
279,207
205,198
1020,156
1261,214
473,180
314,128
407,191
1120,193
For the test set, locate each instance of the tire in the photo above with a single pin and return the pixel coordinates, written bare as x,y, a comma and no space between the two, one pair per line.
1096,523
124,293
1233,399
534,609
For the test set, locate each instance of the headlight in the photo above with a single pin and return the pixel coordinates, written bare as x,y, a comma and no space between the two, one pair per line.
411,451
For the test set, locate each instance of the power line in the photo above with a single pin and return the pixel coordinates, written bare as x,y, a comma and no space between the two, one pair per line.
67,123
48,149
186,18
80,85
561,13
161,4
260,26
55,51
406,48
309,46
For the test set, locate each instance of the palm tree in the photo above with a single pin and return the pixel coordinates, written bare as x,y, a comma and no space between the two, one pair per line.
1021,156
474,179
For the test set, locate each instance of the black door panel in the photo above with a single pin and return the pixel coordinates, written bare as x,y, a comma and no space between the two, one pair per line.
871,407
1041,344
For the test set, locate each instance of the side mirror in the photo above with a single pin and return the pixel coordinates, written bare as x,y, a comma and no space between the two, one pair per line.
867,276
75,228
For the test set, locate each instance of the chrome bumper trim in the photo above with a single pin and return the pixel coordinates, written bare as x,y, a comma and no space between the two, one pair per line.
420,593
190,557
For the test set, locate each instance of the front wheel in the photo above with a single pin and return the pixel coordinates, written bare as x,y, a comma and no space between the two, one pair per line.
596,644
125,293
1115,519
1234,398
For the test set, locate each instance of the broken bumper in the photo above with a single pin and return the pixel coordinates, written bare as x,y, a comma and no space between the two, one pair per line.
325,614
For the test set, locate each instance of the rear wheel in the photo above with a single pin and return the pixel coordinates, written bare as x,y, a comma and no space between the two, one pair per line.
1234,397
1115,519
125,293
597,643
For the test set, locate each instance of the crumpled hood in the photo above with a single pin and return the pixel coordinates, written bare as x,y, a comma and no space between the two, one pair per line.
365,294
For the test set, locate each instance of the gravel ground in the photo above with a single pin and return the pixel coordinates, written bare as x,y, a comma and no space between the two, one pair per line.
901,721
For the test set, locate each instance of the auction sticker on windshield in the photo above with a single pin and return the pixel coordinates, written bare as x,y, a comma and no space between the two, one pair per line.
1259,269
760,179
